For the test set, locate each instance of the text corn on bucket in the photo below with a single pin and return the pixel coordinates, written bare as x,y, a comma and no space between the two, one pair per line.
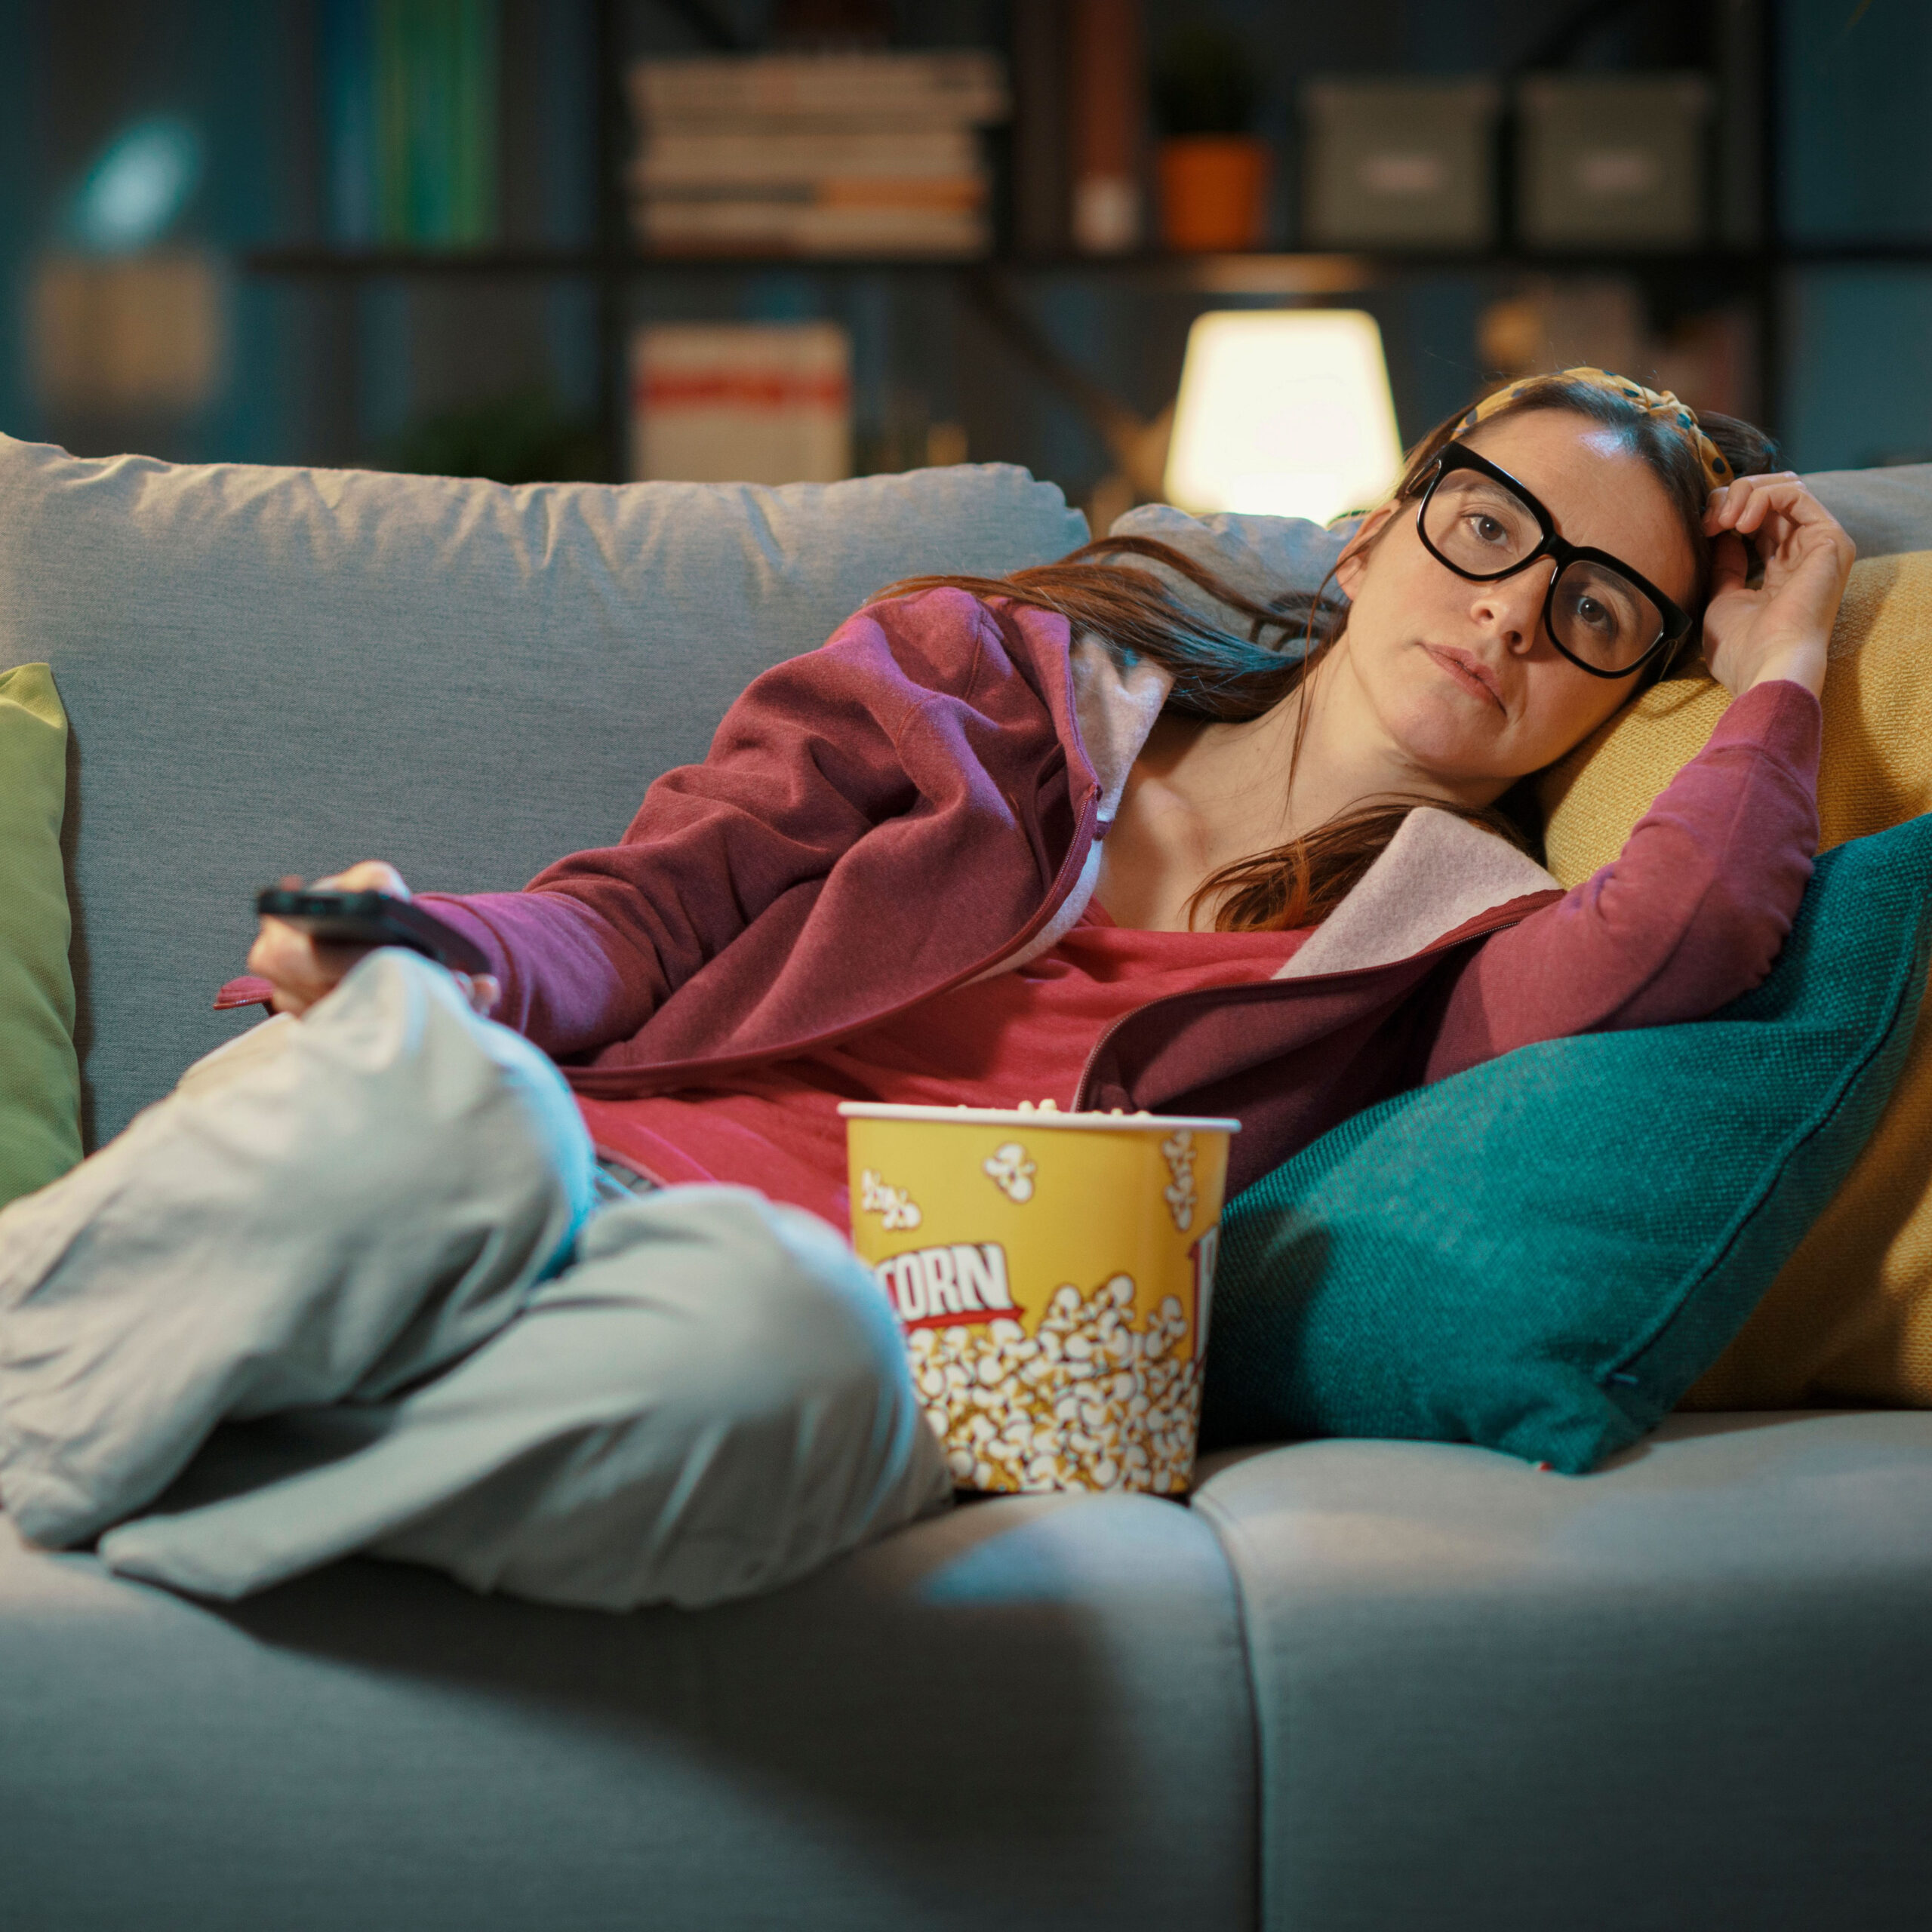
1053,1272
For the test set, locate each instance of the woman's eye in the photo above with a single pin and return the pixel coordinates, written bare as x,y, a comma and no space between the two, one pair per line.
1598,617
1488,529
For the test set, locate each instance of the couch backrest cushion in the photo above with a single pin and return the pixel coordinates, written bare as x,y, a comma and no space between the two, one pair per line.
1888,512
271,671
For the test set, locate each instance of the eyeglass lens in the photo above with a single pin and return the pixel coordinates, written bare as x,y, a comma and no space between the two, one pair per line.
1482,528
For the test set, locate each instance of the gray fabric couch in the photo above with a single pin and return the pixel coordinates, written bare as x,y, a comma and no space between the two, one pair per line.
1355,1685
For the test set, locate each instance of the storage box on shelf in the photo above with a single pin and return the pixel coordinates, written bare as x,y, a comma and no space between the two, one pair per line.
1399,163
1612,161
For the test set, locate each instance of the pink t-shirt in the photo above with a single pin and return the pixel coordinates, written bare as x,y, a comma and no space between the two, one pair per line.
1022,1035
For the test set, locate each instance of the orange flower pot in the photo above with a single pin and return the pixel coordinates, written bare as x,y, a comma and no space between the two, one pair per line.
1213,192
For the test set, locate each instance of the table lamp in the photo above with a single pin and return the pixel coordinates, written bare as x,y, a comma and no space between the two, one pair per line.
1284,412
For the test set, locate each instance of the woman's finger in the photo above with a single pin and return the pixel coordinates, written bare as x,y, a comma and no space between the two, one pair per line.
1776,532
1731,564
1751,505
1725,506
1785,523
482,991
301,971
1790,544
1750,499
366,875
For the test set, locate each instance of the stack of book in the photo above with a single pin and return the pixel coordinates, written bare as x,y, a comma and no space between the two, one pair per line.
815,154
741,402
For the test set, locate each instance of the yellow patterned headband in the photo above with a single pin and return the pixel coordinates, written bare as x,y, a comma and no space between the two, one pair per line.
1660,403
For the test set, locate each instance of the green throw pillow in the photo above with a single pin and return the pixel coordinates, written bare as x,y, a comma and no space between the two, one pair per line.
1541,1255
40,1080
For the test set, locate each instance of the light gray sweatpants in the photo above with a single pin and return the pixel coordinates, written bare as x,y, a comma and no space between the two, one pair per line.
379,1229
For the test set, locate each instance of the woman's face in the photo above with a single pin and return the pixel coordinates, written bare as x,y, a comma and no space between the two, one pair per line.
1459,680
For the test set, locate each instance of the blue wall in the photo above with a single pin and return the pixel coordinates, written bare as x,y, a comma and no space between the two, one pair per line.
1858,131
1858,167
1859,387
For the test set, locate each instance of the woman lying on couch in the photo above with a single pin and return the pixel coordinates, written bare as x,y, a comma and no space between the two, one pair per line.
1056,837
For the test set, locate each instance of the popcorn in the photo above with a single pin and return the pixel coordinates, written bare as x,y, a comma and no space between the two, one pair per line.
1087,1402
1179,1194
894,1206
1007,1167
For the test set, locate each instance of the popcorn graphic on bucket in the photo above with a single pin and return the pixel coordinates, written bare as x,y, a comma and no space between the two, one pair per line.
1053,1272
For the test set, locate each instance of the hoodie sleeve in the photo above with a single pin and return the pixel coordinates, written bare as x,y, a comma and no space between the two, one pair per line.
1692,913
804,763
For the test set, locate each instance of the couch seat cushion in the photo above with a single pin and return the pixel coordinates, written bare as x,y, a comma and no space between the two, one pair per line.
1694,1690
1029,1713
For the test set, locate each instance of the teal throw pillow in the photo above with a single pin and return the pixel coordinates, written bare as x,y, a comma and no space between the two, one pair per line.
1542,1254
40,1082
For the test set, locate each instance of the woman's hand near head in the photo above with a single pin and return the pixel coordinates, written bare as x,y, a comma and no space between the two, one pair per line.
303,971
1780,629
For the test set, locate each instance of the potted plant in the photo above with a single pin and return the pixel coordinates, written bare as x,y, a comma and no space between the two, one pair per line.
1213,171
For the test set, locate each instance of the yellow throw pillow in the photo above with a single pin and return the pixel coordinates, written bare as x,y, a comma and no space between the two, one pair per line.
1849,1319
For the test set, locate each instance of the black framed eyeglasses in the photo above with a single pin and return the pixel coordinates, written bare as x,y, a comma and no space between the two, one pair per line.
1479,522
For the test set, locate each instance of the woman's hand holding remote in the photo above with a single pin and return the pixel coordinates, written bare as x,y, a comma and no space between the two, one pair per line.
303,970
1781,628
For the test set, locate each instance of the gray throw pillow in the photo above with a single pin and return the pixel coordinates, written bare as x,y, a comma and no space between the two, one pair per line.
1263,557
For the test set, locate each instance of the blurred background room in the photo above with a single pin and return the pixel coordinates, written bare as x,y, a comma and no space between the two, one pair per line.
801,239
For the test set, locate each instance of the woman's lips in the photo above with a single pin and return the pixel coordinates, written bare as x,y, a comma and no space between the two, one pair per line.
1470,672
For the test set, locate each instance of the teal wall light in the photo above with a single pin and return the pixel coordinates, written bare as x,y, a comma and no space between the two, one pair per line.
138,186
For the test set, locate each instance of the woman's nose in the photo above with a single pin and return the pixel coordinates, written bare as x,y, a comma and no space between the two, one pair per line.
1513,607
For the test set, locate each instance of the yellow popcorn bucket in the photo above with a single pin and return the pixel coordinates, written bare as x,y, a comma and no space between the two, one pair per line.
1053,1273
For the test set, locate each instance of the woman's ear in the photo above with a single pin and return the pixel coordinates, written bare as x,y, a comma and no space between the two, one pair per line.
1354,559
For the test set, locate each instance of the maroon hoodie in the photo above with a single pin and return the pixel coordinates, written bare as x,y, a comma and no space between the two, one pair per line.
920,802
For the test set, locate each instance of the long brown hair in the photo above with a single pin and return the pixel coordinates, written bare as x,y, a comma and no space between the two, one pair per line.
1220,675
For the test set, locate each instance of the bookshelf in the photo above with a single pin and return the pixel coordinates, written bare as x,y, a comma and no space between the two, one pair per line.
1282,274
614,268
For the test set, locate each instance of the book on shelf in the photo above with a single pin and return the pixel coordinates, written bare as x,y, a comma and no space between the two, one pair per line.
1106,125
410,100
1042,182
1080,111
814,154
965,87
780,227
682,156
741,402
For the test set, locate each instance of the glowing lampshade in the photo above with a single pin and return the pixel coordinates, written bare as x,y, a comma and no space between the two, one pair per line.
1284,412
